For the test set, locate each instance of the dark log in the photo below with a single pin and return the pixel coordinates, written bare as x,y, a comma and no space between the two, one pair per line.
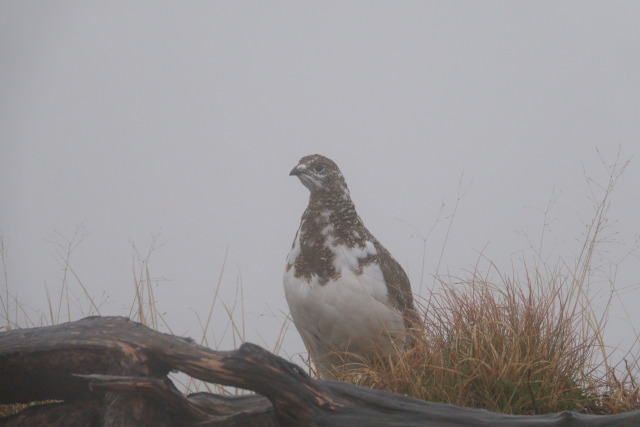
112,371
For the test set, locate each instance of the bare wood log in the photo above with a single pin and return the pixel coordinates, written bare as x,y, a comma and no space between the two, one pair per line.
112,371
203,409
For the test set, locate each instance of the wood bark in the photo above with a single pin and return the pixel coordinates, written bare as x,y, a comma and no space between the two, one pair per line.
111,371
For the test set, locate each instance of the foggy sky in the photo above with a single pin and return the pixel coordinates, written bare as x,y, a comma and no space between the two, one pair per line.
128,122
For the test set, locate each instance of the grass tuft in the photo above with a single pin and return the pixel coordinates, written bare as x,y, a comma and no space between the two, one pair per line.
522,343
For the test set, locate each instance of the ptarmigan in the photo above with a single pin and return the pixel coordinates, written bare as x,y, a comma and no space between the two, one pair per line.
348,297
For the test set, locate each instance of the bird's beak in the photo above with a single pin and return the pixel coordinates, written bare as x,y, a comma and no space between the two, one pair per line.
295,171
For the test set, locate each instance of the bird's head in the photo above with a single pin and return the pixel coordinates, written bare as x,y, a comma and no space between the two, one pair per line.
320,175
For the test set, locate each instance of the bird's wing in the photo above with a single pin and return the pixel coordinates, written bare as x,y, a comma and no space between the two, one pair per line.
400,295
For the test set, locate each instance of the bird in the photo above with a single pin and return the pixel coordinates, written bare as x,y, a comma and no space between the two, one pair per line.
349,299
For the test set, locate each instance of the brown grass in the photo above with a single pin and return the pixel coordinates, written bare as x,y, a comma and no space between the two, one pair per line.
519,343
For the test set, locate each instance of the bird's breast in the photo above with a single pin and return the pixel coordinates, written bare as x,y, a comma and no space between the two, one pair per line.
353,268
346,313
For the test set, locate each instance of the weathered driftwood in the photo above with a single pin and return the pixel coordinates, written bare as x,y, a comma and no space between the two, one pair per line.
112,371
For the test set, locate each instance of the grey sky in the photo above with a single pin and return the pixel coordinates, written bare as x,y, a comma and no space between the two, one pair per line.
183,119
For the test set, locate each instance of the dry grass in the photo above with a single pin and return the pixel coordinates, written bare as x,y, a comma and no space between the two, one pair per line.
502,347
518,346
523,343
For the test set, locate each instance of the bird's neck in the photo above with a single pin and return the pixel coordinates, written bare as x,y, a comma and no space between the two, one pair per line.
332,208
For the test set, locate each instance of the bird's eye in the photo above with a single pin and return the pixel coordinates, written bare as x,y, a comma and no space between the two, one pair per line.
319,168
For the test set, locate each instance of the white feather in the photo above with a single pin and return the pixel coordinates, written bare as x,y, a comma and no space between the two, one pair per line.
350,314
